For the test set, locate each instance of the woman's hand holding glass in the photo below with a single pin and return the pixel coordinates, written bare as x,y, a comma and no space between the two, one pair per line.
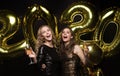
31,54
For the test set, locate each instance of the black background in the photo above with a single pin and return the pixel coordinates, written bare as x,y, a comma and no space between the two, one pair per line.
19,65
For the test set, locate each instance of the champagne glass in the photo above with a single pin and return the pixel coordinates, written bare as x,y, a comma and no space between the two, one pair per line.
29,52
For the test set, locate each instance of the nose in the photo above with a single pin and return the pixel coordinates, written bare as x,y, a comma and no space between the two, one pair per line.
65,33
47,32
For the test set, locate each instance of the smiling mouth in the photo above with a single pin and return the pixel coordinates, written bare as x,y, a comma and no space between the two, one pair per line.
65,37
48,36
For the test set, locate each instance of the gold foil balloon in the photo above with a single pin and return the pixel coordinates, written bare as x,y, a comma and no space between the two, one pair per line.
9,26
37,12
108,31
94,54
95,72
81,17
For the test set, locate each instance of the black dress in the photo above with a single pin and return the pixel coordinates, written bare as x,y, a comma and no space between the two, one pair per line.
48,56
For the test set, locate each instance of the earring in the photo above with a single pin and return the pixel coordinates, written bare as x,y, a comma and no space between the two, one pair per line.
71,36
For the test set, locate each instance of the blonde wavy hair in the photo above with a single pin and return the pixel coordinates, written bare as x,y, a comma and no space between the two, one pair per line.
40,40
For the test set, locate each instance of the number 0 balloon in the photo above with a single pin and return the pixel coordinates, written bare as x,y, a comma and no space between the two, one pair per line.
34,13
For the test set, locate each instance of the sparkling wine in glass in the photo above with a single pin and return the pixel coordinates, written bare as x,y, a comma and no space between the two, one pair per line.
29,52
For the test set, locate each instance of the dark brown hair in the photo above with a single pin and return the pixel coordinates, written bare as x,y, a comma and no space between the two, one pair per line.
70,46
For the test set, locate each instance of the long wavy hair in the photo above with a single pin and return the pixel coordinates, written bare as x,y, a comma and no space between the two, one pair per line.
40,39
70,46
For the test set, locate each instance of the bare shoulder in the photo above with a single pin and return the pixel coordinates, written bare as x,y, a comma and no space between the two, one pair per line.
77,48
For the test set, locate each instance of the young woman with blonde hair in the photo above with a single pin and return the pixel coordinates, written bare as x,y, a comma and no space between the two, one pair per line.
46,56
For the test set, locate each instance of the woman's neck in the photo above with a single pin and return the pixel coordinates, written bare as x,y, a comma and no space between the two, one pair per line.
67,43
50,44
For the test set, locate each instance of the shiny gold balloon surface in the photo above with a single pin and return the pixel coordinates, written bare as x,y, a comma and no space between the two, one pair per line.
95,54
10,25
81,17
108,31
95,72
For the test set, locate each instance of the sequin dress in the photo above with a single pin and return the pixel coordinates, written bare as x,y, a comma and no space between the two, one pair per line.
70,64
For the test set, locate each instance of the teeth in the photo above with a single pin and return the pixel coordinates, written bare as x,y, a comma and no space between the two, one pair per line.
48,36
65,37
